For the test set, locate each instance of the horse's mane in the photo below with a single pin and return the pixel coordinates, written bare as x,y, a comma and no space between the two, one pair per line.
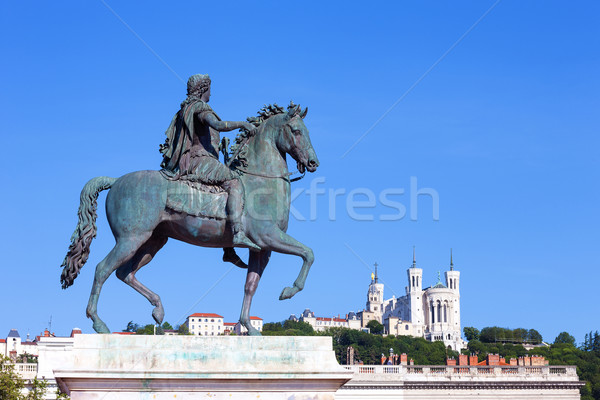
266,112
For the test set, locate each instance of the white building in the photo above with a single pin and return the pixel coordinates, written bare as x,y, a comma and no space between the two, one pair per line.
320,324
432,313
205,324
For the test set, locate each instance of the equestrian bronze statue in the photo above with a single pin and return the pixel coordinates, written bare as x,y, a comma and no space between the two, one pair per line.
198,200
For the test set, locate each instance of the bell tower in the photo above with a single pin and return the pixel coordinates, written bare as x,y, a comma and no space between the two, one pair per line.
414,292
453,277
375,295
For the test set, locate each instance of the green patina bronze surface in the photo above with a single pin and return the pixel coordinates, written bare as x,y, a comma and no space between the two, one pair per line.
189,200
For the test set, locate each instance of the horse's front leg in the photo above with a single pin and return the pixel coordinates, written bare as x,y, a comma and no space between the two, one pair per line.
256,265
281,242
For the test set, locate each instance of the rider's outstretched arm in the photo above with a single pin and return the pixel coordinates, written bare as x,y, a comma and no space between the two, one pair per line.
224,126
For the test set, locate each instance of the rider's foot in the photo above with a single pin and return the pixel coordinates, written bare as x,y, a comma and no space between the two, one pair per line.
229,255
240,239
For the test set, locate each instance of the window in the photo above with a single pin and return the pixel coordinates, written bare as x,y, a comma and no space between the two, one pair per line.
406,327
212,320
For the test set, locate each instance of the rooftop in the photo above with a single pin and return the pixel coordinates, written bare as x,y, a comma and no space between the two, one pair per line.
206,315
13,333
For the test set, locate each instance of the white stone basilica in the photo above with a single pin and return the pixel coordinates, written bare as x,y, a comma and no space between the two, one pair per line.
432,313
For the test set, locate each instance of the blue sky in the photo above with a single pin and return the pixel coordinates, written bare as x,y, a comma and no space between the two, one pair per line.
503,128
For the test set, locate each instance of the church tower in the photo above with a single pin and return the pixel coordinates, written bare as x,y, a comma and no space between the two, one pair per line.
414,293
375,296
453,283
453,277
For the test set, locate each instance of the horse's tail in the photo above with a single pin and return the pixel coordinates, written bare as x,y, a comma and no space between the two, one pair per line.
79,249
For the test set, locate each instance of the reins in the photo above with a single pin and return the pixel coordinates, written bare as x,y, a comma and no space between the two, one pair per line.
284,176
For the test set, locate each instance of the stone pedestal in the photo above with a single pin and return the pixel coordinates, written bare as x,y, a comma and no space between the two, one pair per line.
184,367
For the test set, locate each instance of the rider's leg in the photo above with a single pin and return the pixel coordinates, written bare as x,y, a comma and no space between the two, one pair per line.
234,213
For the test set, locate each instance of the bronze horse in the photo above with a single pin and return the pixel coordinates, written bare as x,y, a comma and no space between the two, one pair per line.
142,222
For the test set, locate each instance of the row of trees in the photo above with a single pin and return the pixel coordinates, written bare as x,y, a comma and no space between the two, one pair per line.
151,329
368,348
496,334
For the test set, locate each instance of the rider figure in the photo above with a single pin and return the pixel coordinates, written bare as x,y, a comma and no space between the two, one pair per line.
191,151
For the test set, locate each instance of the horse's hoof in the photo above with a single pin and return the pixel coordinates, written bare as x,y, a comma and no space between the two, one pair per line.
158,314
100,327
287,293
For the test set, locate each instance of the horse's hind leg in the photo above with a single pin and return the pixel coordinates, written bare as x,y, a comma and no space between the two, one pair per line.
126,273
256,265
123,251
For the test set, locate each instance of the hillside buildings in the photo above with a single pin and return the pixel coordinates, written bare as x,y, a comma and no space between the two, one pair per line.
431,312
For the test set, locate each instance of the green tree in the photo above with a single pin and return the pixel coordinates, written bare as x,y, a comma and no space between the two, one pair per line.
131,327
304,327
375,327
534,336
471,333
149,330
182,329
166,326
564,337
520,335
11,383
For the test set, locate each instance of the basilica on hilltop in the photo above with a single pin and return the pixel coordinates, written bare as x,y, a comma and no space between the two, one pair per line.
431,312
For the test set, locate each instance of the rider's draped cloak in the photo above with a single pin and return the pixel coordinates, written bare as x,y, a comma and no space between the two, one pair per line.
196,160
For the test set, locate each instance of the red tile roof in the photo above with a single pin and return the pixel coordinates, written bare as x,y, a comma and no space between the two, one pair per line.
2,340
255,318
206,315
230,323
124,333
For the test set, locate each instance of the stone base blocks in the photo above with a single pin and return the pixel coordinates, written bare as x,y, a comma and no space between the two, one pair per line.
184,367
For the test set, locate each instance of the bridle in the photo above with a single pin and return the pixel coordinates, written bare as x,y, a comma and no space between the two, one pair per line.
285,176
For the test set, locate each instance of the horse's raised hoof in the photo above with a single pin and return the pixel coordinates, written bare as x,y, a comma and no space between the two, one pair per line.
288,293
158,314
100,327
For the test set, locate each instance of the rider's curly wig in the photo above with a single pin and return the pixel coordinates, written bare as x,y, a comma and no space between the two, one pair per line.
196,86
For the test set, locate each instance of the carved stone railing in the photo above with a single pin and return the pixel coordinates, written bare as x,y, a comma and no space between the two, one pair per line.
462,373
26,370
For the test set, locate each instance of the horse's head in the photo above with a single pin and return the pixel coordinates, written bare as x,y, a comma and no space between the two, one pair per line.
294,140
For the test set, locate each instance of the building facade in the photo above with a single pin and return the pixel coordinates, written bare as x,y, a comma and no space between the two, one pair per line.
320,324
205,324
432,312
